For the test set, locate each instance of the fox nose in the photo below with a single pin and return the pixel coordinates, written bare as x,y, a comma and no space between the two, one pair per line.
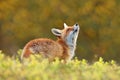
76,24
76,27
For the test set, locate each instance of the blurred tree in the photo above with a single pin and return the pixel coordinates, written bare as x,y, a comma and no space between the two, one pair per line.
23,20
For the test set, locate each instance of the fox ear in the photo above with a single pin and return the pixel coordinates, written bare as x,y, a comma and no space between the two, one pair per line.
65,25
56,32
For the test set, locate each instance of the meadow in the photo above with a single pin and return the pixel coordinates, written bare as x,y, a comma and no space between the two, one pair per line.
36,68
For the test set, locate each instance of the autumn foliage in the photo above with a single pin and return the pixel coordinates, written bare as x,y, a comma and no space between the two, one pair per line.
23,20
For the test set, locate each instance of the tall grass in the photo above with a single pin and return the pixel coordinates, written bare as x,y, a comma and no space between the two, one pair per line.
36,68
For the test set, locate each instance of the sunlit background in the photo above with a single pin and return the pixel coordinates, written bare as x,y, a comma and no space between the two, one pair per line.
99,20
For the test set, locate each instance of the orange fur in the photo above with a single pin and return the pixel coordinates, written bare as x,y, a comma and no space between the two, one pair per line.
50,49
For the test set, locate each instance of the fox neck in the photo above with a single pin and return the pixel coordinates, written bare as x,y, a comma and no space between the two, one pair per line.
70,47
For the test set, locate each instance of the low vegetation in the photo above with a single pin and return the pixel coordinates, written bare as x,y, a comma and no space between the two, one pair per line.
36,68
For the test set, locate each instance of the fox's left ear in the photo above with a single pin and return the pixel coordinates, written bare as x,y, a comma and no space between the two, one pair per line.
56,32
65,25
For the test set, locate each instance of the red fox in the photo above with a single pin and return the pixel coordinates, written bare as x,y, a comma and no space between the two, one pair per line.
63,47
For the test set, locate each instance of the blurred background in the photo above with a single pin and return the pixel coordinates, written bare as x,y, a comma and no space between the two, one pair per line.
23,20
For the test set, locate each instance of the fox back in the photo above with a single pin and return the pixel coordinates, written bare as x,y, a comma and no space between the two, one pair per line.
63,47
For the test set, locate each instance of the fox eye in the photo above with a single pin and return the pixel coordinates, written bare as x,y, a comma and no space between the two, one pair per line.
70,29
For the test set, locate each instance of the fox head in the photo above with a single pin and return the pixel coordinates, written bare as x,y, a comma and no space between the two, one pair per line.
69,34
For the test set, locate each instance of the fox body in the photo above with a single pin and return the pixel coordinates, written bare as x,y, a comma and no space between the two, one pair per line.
63,47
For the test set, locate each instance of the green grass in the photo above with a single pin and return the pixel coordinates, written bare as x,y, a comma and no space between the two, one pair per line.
36,68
